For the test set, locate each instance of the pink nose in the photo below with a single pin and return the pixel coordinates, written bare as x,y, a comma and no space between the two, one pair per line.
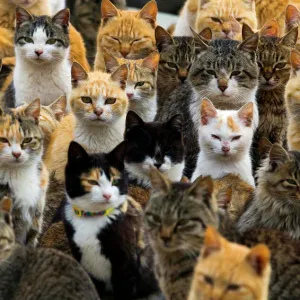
39,52
107,196
129,95
16,154
98,112
225,149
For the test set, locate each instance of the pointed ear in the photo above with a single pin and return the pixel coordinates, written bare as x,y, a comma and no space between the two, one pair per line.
249,44
271,28
116,156
212,242
246,31
163,38
59,107
151,61
111,63
200,43
159,182
224,198
295,59
22,16
149,12
245,114
78,73
264,146
76,153
108,10
132,120
6,205
203,2
207,111
206,33
292,17
62,18
290,39
120,76
277,156
259,258
33,110
175,123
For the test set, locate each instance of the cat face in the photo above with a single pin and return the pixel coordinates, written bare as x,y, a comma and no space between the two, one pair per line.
24,3
225,134
99,99
154,145
229,271
128,34
21,137
93,182
177,214
42,40
226,70
225,18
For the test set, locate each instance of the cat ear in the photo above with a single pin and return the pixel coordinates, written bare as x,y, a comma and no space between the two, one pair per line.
163,38
132,120
200,43
78,73
246,31
59,107
22,16
245,114
203,2
149,12
290,39
175,123
33,110
264,146
277,156
62,18
207,111
212,242
271,28
259,258
76,153
159,182
116,156
295,59
111,63
250,44
6,205
151,61
108,10
292,16
120,76
206,33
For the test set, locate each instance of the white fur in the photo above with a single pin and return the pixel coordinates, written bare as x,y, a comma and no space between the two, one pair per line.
57,5
47,77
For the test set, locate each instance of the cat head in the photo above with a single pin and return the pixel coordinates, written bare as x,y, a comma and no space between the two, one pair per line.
225,134
225,70
142,75
99,99
21,139
126,33
225,18
177,214
95,182
154,145
24,3
228,271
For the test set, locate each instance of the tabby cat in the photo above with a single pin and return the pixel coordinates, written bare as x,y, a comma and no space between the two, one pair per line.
126,33
37,274
227,271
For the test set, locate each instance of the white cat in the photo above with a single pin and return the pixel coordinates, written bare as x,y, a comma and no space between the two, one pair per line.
225,138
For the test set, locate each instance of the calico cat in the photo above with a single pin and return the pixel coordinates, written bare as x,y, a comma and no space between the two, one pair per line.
104,227
227,271
126,33
42,67
153,145
22,169
37,274
141,83
175,218
225,139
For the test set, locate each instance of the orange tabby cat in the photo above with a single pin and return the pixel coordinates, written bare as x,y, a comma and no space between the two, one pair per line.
126,33
228,271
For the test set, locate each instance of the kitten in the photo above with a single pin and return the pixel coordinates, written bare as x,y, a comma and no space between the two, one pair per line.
153,145
42,66
275,203
227,271
225,139
141,83
126,33
22,169
33,274
104,227
174,219
225,17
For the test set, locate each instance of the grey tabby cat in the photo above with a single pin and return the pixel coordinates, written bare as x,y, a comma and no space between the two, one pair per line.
37,274
175,218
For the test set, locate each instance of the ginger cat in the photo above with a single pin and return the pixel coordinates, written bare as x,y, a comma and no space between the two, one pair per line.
228,271
126,33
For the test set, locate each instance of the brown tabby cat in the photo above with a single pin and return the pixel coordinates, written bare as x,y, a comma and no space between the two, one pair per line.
125,33
227,271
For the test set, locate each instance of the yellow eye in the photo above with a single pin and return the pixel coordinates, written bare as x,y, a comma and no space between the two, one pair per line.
27,140
110,101
51,41
86,100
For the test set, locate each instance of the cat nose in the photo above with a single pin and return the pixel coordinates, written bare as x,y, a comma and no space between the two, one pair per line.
166,240
107,196
182,78
223,87
226,30
124,52
157,165
225,149
268,76
129,95
16,154
182,74
39,52
98,111
222,84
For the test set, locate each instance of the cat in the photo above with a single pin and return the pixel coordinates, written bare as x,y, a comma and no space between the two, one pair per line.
230,271
275,202
292,102
42,67
104,227
22,169
32,274
153,145
136,37
225,139
174,219
141,82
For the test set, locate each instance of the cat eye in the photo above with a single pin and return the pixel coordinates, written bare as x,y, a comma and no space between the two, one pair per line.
183,222
110,100
280,66
27,140
153,218
172,65
93,182
86,100
208,280
236,138
4,141
235,73
51,41
28,40
239,19
216,137
115,39
135,41
211,72
115,181
291,181
233,287
216,20
141,83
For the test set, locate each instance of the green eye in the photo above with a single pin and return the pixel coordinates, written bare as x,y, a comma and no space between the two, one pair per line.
93,182
28,40
4,141
153,218
27,140
172,65
115,181
182,222
110,101
280,66
235,73
86,100
141,83
51,41
291,181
